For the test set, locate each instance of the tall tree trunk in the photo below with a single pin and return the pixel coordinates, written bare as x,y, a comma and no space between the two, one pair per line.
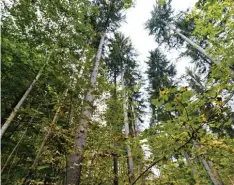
186,155
73,171
206,166
14,149
208,170
200,49
197,47
19,104
215,172
115,170
134,122
19,141
115,156
126,126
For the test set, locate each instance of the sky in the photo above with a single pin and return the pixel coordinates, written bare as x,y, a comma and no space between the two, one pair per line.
134,28
143,43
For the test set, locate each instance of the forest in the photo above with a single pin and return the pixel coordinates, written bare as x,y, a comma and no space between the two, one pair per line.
74,101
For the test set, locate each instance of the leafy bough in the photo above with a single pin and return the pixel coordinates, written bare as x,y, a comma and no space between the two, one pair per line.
191,138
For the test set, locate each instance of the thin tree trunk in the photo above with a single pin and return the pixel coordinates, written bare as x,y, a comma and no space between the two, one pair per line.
19,104
208,170
115,171
17,124
21,138
115,156
134,123
73,171
232,181
206,166
126,126
46,138
186,155
215,172
39,152
16,146
200,49
12,165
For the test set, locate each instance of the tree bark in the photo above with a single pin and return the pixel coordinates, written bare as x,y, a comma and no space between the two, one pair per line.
115,171
126,126
19,104
206,166
200,49
39,152
186,155
208,170
134,123
19,141
16,146
74,161
216,173
115,156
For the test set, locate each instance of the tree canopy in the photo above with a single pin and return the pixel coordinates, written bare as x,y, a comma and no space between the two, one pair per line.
75,102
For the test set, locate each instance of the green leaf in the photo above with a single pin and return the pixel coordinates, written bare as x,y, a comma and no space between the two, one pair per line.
161,2
168,106
43,167
186,96
157,102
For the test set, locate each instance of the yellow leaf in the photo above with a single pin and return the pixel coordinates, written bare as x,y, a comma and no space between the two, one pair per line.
183,89
164,91
203,117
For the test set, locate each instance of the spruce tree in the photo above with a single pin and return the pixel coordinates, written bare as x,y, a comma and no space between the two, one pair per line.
160,73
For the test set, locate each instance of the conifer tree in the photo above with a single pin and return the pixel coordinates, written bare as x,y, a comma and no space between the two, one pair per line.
110,16
160,73
122,67
77,89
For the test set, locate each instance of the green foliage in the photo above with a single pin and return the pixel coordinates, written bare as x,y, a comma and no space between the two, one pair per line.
161,17
189,124
201,111
160,73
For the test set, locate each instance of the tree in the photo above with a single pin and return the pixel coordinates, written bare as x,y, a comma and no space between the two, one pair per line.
88,102
112,12
121,63
161,26
26,45
160,73
195,133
